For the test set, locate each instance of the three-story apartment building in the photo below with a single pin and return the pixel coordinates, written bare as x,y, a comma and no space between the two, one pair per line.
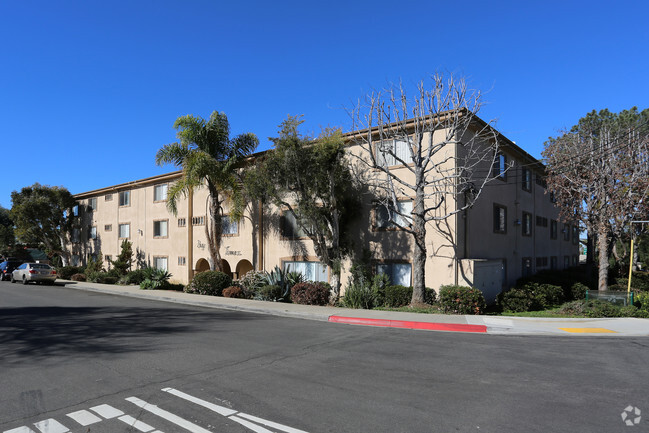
512,230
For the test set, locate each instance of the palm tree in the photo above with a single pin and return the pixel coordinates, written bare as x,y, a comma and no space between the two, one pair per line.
209,158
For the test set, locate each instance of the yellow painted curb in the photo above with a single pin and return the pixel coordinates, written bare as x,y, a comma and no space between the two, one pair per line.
589,330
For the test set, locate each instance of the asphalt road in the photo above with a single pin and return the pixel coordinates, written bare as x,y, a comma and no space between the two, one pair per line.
68,358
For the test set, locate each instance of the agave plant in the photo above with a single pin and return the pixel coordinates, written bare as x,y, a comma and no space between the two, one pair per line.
285,280
155,278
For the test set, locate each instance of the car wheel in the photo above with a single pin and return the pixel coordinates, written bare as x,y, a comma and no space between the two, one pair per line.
24,280
12,278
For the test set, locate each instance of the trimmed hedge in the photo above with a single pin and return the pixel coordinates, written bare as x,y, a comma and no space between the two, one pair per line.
532,297
209,283
461,300
309,293
599,308
65,272
271,292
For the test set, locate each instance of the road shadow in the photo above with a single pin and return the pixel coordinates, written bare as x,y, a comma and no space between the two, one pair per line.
30,334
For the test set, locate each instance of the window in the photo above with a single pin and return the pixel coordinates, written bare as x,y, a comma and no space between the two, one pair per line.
160,192
527,224
182,261
75,235
311,271
108,197
541,262
575,235
526,180
500,219
182,222
74,261
399,273
198,221
575,260
393,152
124,231
566,232
290,227
566,262
500,167
526,270
75,210
553,262
108,228
540,181
229,227
92,203
160,263
388,218
541,221
553,229
125,198
93,233
160,229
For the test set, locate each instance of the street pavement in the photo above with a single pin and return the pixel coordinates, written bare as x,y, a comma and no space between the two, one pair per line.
80,360
610,327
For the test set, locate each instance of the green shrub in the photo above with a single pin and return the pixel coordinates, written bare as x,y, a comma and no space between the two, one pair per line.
95,265
133,277
155,279
577,292
359,296
461,300
397,296
124,260
270,292
176,287
78,277
515,300
209,283
430,296
252,282
531,297
311,293
233,292
641,300
598,308
284,280
65,272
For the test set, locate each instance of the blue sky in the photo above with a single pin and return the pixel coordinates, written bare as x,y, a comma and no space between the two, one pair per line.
89,90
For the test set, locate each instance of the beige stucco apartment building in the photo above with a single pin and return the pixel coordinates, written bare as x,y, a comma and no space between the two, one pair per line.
512,230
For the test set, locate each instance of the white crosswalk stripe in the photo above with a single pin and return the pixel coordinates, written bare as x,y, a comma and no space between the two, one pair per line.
51,426
84,417
104,412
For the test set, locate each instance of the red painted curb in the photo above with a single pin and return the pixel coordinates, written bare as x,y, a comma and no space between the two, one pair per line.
453,327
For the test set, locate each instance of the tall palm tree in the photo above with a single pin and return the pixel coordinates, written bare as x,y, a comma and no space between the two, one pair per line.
209,158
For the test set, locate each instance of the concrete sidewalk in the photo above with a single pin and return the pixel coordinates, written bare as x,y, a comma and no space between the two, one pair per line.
610,327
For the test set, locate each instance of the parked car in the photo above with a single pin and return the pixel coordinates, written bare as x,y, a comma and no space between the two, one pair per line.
36,272
7,267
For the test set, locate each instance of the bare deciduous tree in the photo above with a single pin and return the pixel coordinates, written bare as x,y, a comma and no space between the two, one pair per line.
599,174
430,147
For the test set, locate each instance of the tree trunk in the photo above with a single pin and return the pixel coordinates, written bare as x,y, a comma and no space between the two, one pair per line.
419,254
214,234
335,285
602,246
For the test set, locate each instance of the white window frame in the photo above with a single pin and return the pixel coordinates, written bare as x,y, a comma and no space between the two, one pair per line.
310,270
161,262
387,152
92,203
125,198
160,192
162,229
399,273
124,228
387,218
